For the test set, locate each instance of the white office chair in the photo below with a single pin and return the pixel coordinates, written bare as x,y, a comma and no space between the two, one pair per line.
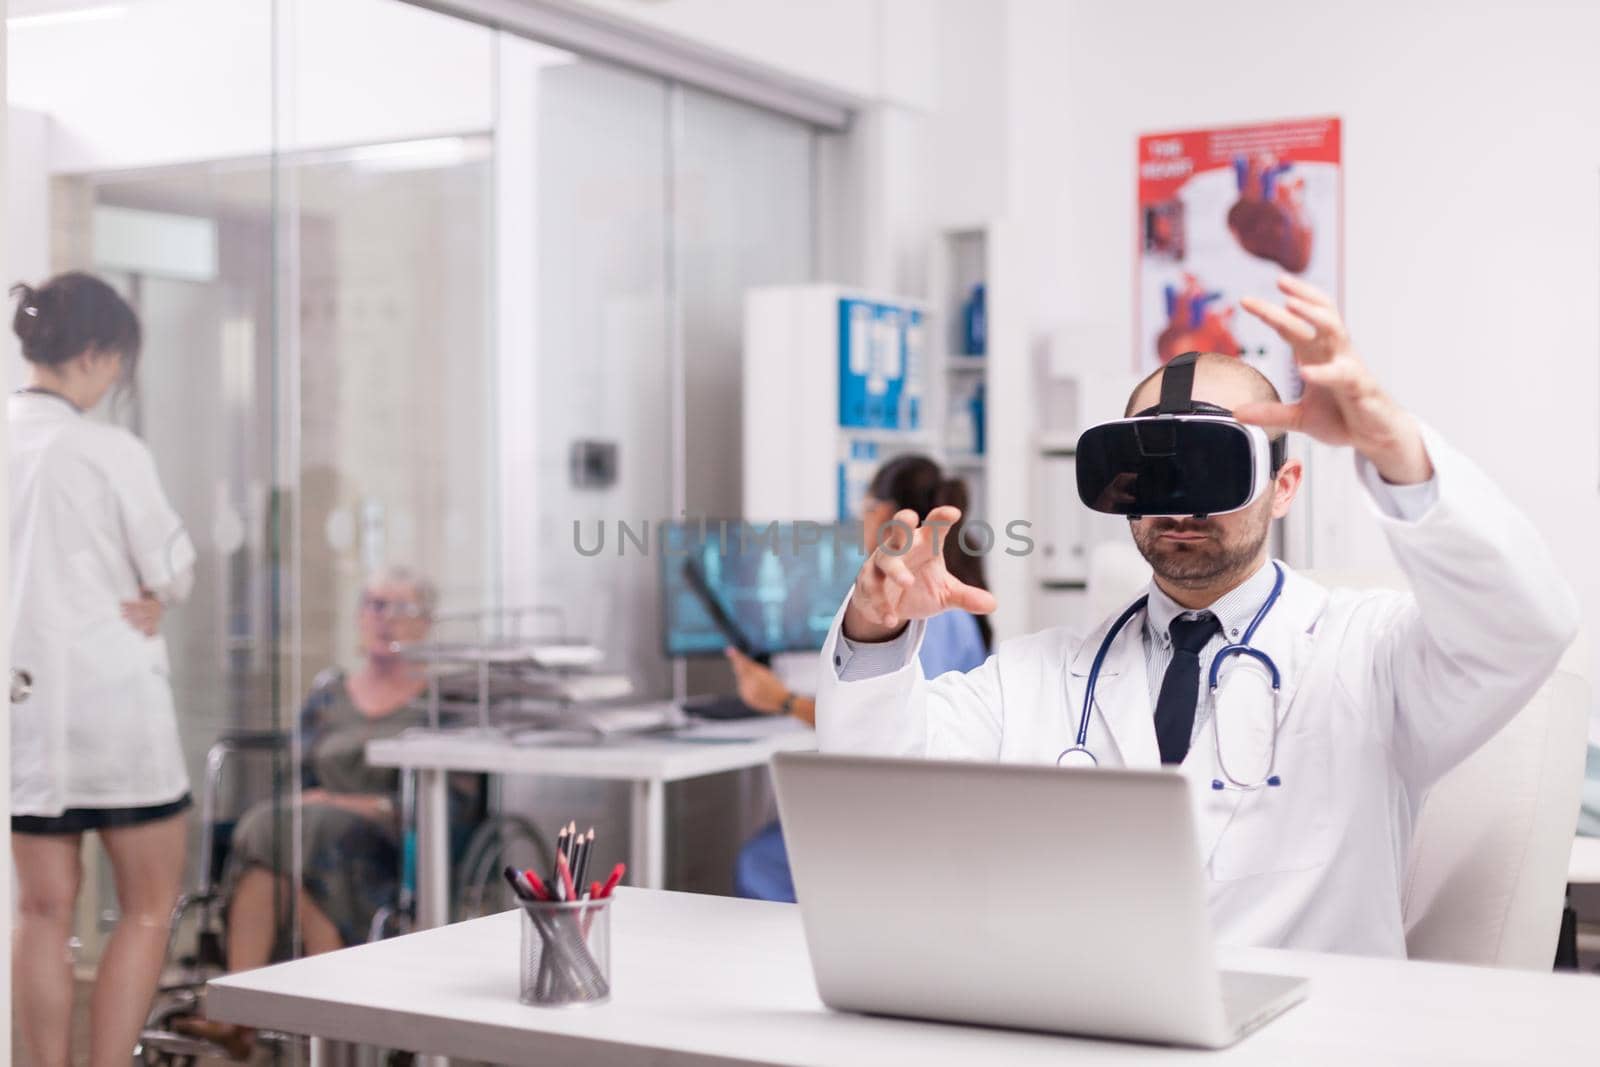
1487,869
1489,855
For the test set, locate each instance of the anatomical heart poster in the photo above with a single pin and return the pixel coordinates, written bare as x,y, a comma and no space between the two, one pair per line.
1222,213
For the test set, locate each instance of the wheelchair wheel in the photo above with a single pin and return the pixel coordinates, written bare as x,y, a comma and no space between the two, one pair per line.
503,840
390,922
160,1046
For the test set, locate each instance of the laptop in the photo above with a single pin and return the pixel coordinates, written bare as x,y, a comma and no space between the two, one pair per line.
1013,895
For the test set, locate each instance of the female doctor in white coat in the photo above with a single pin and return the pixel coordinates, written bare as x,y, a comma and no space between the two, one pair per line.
95,552
1381,692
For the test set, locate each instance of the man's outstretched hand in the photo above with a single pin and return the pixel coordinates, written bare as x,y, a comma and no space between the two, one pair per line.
905,578
1342,403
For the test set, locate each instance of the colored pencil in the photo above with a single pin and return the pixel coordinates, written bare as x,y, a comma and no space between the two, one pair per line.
561,849
580,869
565,877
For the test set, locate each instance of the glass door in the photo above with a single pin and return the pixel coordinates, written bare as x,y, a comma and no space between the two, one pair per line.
413,310
603,375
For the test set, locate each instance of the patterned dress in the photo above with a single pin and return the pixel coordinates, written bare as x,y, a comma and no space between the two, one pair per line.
351,862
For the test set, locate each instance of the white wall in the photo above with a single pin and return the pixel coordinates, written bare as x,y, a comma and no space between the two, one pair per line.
970,168
1472,247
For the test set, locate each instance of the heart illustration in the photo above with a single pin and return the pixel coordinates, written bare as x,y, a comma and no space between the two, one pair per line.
1269,219
1195,323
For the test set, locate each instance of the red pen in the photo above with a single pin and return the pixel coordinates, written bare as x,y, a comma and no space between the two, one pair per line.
536,884
611,882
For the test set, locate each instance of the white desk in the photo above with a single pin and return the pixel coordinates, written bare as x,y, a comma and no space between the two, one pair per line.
647,763
1584,866
700,979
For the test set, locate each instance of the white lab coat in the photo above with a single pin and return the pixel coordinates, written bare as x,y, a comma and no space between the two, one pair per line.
90,527
1383,693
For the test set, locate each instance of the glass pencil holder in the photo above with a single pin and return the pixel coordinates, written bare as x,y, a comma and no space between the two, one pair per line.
566,952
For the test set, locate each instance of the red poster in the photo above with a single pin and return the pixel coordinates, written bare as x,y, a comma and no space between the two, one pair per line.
1222,213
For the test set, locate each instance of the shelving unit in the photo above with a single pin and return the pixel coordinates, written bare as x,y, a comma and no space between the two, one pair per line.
997,472
836,380
1080,378
960,284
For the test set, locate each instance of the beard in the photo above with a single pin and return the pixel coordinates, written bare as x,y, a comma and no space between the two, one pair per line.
1223,550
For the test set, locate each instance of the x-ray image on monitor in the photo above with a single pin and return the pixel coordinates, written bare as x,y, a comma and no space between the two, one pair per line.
776,586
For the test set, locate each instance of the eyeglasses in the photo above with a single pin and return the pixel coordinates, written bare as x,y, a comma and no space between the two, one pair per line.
391,609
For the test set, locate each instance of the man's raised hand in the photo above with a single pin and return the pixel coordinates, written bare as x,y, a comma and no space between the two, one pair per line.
1342,403
905,578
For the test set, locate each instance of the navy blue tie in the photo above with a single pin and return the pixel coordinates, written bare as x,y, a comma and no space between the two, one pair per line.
1180,687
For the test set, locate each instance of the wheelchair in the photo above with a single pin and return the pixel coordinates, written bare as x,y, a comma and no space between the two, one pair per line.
479,849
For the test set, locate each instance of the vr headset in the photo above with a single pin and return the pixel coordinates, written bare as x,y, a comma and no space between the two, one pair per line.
1181,458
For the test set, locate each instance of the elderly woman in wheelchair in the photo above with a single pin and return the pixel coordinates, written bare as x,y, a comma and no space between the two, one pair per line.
351,837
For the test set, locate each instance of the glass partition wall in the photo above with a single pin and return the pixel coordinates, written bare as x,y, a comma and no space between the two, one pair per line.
389,440
654,206
388,300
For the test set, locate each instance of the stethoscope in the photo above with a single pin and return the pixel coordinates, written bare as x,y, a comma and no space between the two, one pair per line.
1080,756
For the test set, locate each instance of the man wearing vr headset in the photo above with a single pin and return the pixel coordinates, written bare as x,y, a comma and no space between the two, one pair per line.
1309,722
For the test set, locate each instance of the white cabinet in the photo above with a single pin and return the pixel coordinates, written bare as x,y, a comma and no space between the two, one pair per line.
1060,534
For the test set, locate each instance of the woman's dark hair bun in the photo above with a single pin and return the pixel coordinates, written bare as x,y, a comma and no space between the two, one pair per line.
71,314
